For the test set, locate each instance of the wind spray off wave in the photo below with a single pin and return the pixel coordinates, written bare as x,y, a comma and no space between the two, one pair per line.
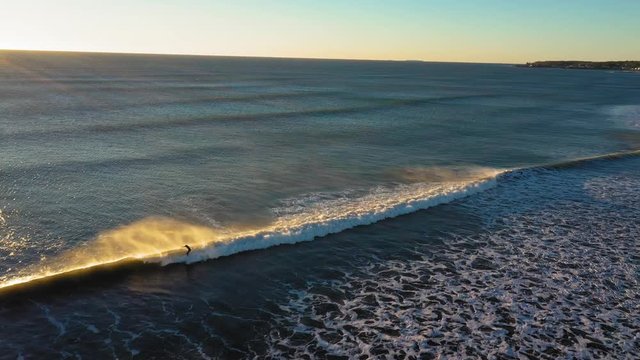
161,240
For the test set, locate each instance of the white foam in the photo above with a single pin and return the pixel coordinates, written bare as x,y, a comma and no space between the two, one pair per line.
52,320
548,279
626,115
334,216
161,240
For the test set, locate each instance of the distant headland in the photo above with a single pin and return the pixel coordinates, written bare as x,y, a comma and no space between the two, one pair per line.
586,65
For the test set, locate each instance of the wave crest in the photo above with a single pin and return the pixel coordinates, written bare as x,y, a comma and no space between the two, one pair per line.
161,240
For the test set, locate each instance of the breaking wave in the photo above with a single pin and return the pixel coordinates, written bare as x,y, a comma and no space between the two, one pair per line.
161,241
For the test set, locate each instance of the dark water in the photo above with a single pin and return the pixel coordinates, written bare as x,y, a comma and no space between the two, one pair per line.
110,157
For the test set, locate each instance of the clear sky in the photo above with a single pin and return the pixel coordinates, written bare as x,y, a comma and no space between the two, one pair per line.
437,30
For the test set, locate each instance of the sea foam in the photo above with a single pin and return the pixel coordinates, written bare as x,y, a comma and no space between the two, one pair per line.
161,240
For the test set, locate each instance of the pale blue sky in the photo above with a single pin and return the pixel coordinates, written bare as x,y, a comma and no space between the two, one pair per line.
438,30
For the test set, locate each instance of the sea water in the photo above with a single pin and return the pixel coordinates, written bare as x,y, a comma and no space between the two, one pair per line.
448,211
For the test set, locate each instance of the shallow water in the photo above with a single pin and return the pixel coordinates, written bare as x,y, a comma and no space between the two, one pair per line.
111,157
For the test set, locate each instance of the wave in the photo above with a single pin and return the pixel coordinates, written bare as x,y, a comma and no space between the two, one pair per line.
161,241
136,103
175,156
589,160
380,104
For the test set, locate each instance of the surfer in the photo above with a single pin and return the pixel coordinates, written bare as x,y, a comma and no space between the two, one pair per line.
188,249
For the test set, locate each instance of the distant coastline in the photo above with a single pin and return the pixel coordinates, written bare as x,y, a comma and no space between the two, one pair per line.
586,65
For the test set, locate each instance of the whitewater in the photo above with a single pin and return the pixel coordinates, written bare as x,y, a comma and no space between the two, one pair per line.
160,240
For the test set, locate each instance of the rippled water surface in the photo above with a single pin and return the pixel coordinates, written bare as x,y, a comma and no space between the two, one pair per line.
123,159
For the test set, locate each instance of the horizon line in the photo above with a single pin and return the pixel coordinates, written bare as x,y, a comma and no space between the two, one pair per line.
251,56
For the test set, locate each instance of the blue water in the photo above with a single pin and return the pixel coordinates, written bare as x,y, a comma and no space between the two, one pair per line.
126,158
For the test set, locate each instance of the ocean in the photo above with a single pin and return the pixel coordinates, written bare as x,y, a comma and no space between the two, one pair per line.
333,208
